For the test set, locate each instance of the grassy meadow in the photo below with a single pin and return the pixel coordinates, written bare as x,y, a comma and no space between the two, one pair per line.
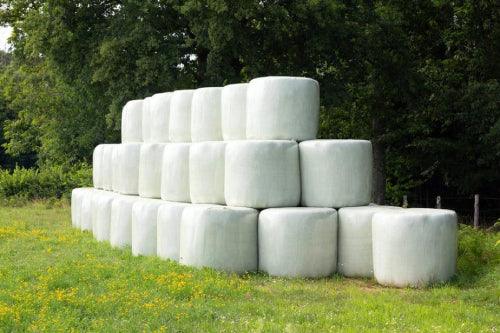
54,278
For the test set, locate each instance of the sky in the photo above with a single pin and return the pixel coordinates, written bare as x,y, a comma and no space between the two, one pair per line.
4,34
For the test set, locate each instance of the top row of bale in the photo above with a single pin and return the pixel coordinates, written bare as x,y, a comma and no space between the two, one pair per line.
266,108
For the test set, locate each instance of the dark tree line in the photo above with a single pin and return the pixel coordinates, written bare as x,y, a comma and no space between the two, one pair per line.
418,78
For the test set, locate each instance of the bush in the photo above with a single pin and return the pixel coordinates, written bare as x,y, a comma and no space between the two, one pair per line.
47,182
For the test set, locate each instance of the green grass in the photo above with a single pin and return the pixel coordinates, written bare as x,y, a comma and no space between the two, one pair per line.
54,278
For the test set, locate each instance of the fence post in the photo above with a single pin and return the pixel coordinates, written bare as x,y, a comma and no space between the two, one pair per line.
405,201
438,202
476,211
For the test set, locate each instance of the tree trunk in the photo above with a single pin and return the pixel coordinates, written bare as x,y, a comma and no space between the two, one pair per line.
378,164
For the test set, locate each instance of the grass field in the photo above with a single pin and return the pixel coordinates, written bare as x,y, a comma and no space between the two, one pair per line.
54,278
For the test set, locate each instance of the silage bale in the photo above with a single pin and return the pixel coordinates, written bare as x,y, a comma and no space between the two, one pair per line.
233,111
298,241
126,168
219,237
282,108
159,109
146,120
414,247
180,116
262,173
355,257
150,163
107,166
120,233
97,156
144,219
175,173
206,172
168,230
102,220
77,196
88,211
206,115
336,173
131,129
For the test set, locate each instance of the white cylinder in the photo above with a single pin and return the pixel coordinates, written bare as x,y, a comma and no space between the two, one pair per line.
132,121
107,166
97,163
262,174
168,230
88,211
355,258
206,172
336,173
298,241
282,108
206,115
77,196
146,120
150,163
414,247
175,173
126,168
101,224
159,109
120,232
180,116
144,219
219,237
233,111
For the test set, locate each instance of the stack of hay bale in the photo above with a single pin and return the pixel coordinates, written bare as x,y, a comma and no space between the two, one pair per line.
214,177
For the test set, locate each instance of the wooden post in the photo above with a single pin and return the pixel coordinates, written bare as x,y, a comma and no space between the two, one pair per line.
405,201
476,211
438,202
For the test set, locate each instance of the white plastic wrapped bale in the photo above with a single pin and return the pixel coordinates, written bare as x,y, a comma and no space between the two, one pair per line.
336,173
107,166
102,222
144,219
168,230
262,174
298,241
132,121
233,111
219,237
150,163
282,108
159,109
87,211
120,233
126,168
146,120
97,165
414,247
175,173
355,258
206,115
180,116
206,172
77,196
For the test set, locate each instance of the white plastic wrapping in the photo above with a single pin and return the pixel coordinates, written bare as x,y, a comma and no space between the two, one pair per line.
88,211
206,172
159,109
262,173
180,116
175,173
102,220
146,120
168,230
132,121
120,230
107,166
355,258
233,111
206,115
219,237
126,168
336,173
150,163
298,241
97,166
414,247
280,107
144,219
77,196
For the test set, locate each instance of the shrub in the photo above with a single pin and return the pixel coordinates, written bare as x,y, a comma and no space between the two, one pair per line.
47,182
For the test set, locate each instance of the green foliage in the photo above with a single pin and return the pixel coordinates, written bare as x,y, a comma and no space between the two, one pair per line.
46,182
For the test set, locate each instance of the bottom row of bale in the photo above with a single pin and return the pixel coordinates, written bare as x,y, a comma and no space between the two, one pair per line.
396,246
